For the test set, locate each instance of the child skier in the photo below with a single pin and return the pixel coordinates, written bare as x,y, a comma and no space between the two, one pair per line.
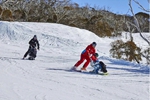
97,65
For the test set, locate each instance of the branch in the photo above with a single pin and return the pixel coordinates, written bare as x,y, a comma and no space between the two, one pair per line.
147,57
141,7
137,23
3,2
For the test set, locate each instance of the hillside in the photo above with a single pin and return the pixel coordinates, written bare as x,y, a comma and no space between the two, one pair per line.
100,21
48,77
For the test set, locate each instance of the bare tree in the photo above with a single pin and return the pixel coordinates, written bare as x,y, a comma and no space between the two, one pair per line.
137,26
141,7
136,21
59,10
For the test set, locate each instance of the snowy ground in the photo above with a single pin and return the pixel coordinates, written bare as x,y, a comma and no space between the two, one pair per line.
48,77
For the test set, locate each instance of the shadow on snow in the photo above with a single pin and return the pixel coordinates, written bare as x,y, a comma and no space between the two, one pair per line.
131,70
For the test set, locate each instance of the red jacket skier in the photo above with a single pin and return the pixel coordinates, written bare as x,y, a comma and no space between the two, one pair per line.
85,55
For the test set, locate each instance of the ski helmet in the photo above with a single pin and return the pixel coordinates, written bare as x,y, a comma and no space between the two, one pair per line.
35,37
96,54
94,43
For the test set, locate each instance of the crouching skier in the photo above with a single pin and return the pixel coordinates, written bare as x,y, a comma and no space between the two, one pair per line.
33,44
97,65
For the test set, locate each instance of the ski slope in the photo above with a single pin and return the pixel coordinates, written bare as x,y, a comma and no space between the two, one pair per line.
48,77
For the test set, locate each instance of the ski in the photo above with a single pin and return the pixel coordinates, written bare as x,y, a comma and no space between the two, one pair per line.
90,72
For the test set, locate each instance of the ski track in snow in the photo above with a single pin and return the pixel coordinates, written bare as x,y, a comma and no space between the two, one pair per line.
48,77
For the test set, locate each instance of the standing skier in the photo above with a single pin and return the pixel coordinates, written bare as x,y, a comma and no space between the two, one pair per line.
85,55
33,43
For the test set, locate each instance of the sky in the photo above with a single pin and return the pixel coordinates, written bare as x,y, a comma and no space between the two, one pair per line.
116,6
48,77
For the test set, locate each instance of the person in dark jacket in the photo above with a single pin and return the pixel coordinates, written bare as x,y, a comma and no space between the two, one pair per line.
33,44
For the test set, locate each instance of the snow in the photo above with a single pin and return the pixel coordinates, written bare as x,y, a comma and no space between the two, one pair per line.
48,77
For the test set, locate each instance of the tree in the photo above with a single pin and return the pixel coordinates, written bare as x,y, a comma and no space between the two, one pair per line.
137,26
129,50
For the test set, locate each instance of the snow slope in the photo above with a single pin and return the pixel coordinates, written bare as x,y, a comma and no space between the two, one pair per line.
48,77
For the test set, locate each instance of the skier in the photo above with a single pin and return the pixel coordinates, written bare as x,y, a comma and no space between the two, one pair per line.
85,55
97,65
32,47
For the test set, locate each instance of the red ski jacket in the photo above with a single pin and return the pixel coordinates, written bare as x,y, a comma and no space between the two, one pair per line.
94,58
89,50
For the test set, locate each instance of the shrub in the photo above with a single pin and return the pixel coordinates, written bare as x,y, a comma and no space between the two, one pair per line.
127,51
7,15
1,10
